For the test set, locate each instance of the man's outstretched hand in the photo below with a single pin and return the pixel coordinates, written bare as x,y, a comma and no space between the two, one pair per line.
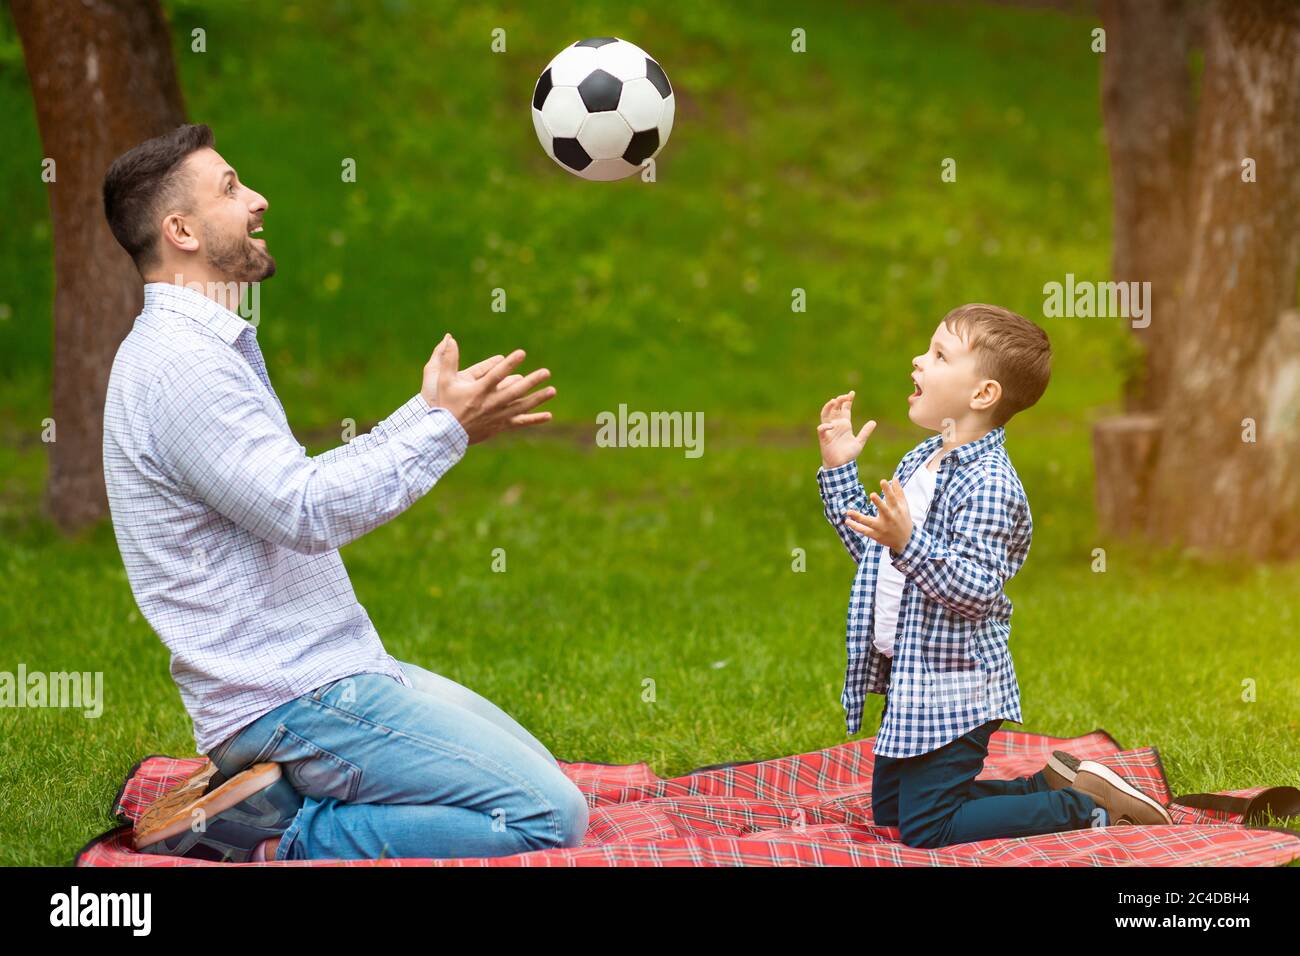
485,398
431,369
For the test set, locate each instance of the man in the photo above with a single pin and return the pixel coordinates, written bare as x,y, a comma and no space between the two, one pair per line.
324,745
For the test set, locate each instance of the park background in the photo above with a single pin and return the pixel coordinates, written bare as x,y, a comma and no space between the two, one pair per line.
816,170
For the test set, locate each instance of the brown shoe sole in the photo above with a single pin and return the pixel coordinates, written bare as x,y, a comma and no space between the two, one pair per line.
1123,802
181,795
179,805
1060,769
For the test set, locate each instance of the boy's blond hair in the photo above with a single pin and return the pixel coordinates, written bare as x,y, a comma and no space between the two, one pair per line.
1008,348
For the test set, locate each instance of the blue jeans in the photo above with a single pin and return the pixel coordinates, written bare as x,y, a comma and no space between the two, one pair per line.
433,770
935,800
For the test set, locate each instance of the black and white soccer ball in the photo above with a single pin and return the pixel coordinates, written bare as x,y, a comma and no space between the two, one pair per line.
603,108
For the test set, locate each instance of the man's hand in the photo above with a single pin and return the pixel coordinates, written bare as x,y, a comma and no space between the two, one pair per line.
892,526
839,444
429,390
489,400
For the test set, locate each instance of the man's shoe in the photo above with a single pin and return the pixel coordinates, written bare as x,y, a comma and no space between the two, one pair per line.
1060,770
255,805
1123,802
175,800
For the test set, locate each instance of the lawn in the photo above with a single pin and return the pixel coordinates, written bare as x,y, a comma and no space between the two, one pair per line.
625,566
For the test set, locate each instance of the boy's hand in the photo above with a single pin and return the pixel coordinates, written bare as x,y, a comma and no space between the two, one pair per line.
839,444
892,527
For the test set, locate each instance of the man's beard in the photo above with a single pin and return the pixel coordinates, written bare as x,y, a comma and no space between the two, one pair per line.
237,259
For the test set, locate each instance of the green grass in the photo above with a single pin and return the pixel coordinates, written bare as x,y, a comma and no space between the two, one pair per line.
818,171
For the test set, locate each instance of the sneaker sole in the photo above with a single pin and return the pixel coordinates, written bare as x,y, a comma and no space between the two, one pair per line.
235,790
1064,771
1119,783
179,796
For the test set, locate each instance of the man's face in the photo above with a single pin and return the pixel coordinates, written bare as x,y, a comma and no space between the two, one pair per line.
945,381
228,213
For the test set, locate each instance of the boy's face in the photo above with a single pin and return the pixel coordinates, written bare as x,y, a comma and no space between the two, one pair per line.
945,380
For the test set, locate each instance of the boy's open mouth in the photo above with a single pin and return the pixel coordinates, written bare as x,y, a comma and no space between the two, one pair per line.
916,390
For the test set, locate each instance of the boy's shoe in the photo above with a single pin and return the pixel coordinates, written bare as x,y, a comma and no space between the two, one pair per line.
1123,802
1060,769
255,805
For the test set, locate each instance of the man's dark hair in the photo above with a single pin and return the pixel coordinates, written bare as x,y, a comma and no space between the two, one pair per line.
143,183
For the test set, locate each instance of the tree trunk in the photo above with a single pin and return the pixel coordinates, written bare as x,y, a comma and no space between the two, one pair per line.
1146,92
1124,450
103,79
1222,352
1238,345
1146,98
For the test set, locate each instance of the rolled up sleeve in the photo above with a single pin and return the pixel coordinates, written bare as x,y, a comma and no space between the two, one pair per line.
407,414
840,490
966,572
210,429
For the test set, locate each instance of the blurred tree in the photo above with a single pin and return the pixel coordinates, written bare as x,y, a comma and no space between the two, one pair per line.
103,79
1207,209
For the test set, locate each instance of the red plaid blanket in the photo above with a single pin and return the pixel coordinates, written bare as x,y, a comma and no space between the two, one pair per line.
814,809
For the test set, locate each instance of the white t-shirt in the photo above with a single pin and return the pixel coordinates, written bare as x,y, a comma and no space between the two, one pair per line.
919,492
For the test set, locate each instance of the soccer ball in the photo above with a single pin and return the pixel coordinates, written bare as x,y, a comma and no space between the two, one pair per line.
603,108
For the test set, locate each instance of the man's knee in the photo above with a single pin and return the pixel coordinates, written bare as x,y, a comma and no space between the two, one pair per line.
562,821
573,817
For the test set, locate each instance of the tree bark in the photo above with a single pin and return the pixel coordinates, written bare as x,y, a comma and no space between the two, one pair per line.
1124,450
1216,408
1146,92
1238,345
103,79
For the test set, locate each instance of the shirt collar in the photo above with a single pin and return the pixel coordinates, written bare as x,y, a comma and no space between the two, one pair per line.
972,449
187,302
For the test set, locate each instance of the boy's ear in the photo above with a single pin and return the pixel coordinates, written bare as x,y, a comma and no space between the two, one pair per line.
987,394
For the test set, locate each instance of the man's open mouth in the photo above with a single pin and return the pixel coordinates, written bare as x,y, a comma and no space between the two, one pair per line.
252,234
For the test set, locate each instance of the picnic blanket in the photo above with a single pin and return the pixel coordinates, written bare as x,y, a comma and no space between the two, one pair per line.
814,809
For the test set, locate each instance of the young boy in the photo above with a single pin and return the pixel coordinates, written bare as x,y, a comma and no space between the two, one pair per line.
928,622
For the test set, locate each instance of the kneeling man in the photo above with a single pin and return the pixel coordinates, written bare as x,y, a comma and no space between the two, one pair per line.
324,745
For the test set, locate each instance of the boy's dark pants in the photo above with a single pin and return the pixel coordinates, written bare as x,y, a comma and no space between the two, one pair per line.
935,800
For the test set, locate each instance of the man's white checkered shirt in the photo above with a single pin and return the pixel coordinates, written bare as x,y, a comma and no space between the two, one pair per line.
228,529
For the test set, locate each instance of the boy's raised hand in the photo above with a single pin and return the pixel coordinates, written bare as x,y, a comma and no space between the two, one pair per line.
839,443
892,523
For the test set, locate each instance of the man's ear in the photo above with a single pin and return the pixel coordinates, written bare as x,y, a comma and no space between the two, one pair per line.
178,234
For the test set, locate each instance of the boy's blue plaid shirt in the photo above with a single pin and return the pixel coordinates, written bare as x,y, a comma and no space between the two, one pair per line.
951,670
